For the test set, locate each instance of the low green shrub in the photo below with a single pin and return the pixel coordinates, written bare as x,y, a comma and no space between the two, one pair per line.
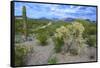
52,60
58,44
42,38
91,41
20,52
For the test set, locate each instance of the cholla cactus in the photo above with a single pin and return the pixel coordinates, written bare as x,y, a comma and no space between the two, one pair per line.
62,32
77,28
71,35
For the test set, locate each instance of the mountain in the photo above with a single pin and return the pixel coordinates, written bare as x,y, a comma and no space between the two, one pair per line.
68,19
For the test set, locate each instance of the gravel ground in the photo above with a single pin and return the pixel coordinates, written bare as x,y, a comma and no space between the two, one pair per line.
41,54
84,57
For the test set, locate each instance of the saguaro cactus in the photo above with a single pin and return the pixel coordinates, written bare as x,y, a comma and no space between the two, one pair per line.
25,31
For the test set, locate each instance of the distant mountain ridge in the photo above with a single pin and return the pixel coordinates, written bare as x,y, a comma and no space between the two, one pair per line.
69,19
56,19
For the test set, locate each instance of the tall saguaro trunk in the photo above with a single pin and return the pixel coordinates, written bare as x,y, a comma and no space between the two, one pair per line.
25,28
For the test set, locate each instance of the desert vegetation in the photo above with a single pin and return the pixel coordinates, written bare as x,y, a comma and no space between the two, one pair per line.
53,38
21,52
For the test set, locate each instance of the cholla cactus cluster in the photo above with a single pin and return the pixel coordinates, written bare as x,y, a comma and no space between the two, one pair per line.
61,32
71,35
77,28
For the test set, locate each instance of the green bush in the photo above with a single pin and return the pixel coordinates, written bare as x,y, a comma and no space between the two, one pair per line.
91,30
91,41
20,52
52,61
58,44
42,39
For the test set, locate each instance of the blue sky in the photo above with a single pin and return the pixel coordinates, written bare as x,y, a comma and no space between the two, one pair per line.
37,10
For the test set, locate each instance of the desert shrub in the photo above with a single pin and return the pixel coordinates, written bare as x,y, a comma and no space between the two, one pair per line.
92,30
89,26
77,38
58,44
42,36
70,35
91,41
21,52
52,60
59,38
